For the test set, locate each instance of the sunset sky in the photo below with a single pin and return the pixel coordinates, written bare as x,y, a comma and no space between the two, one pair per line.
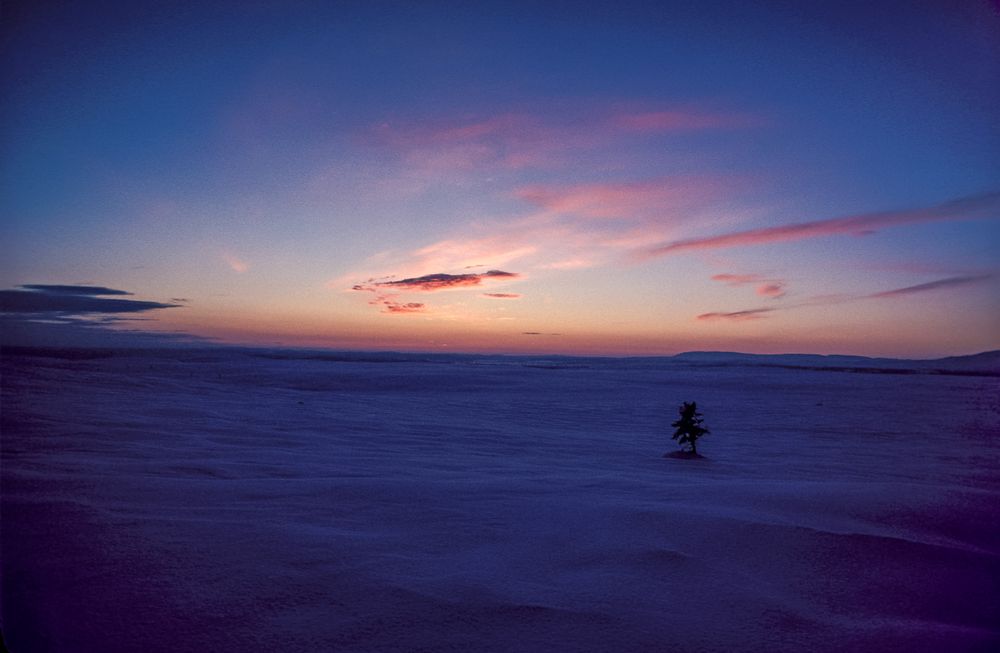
613,178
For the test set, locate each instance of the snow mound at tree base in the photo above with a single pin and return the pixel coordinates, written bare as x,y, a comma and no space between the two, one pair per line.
683,455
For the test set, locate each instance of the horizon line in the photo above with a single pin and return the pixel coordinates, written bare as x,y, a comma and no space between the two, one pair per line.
416,352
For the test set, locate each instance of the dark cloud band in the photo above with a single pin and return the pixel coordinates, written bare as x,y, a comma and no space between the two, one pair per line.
73,290
71,300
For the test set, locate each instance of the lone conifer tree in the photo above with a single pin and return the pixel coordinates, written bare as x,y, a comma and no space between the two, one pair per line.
689,427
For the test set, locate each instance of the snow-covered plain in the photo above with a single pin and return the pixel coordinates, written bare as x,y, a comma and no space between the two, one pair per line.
226,500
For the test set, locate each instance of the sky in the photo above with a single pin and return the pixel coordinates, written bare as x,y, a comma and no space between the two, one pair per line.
609,178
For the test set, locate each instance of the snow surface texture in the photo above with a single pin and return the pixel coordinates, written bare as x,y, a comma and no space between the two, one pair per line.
232,501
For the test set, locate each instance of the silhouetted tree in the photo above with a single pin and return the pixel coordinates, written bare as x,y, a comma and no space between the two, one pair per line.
689,426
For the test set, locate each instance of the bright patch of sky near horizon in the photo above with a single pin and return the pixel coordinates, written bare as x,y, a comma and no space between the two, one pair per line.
263,160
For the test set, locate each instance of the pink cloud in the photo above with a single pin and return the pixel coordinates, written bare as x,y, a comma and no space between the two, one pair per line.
465,253
967,208
537,241
516,140
633,200
508,140
502,295
397,307
774,290
237,264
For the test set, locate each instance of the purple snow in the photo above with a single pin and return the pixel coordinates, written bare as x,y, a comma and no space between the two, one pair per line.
254,501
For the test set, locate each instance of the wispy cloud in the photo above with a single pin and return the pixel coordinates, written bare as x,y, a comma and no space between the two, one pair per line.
502,295
453,129
581,225
515,140
737,279
765,287
470,252
456,144
661,198
950,282
679,121
525,126
828,300
738,316
235,263
967,208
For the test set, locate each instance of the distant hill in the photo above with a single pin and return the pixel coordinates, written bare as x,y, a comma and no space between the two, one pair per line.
985,363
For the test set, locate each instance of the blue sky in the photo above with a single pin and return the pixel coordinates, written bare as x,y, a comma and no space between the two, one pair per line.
283,166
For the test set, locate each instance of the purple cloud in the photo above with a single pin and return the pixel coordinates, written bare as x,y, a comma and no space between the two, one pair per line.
440,281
